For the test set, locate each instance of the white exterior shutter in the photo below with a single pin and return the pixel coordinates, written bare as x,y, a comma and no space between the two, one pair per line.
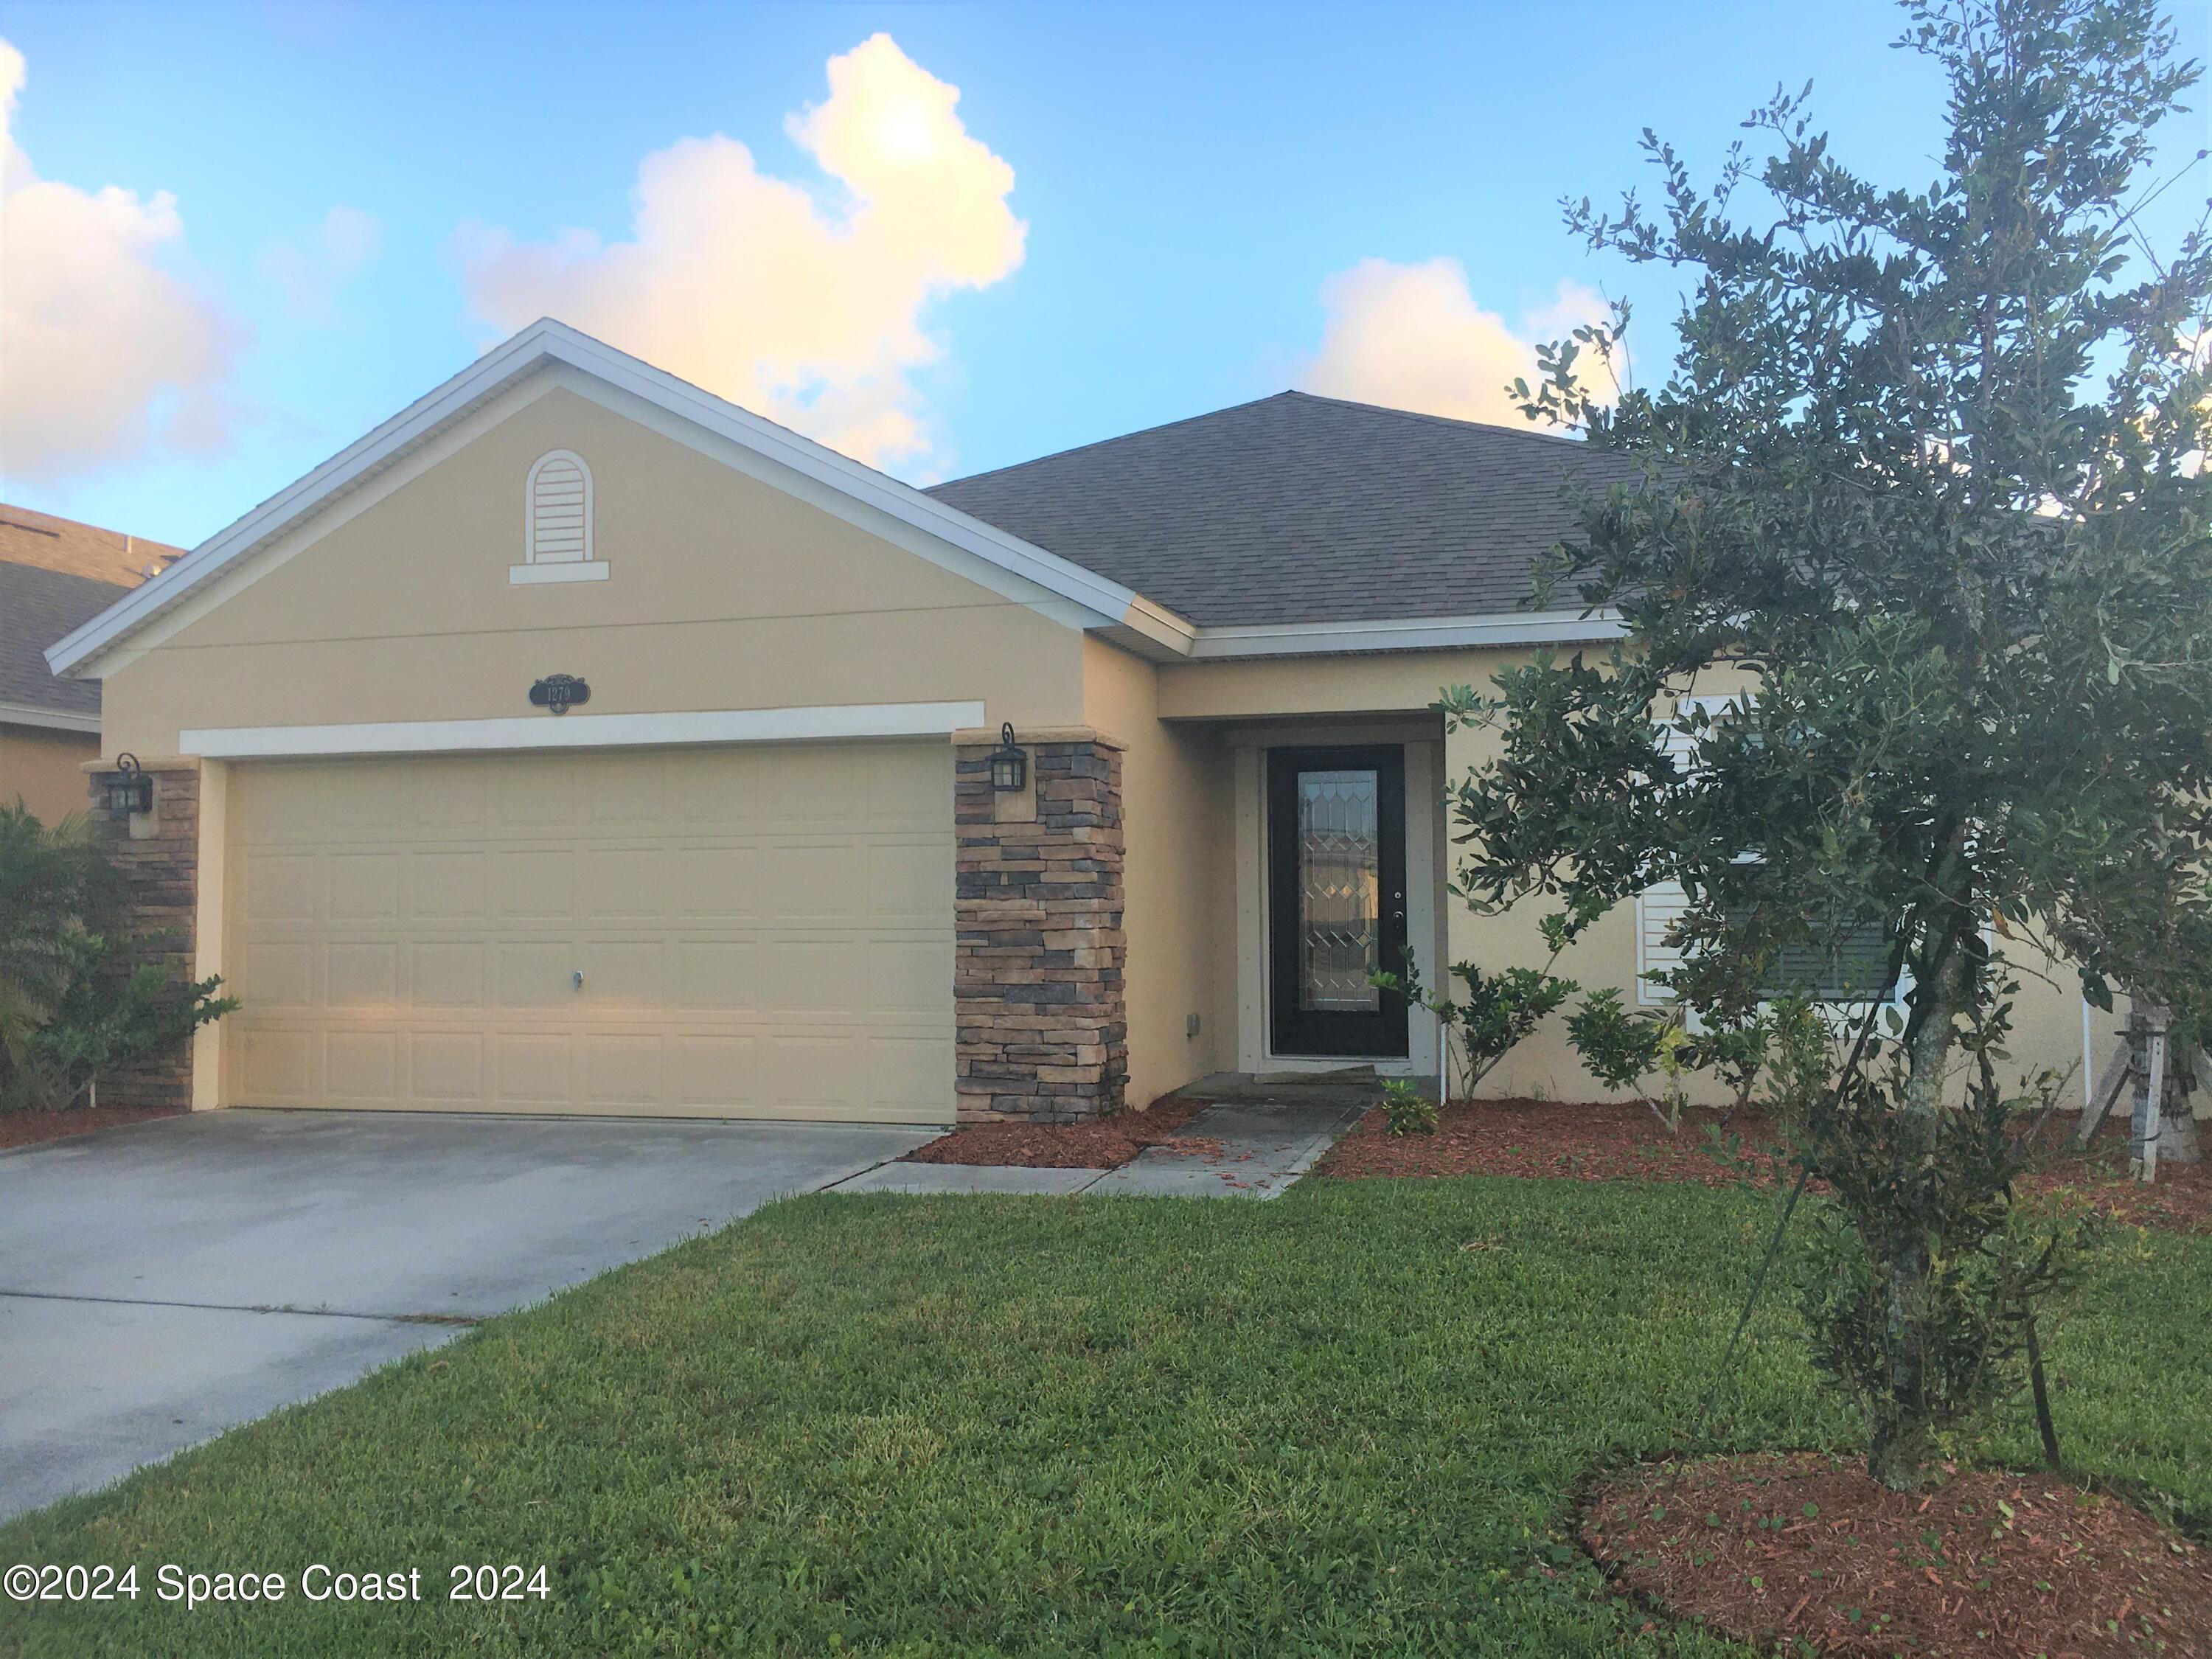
1660,905
559,505
1657,908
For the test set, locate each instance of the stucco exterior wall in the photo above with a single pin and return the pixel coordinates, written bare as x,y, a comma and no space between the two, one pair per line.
1179,897
724,592
46,768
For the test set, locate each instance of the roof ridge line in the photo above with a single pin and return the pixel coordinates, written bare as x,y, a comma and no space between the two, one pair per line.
1453,421
1101,443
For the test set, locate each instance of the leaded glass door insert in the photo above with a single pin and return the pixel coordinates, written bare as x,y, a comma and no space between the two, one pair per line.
1337,884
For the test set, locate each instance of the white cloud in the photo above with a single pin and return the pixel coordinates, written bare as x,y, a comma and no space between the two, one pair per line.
309,278
1412,337
747,285
108,354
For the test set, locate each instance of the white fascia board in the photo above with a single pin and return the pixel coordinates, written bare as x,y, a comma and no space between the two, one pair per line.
723,726
1098,601
24,713
1408,633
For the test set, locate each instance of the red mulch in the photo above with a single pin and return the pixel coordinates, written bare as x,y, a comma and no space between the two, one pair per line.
1801,1548
29,1128
1102,1144
1592,1141
1624,1141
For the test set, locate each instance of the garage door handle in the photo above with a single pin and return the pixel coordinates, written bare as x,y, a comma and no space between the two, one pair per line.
580,979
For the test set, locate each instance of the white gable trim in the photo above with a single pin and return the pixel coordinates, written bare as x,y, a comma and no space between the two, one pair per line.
1084,599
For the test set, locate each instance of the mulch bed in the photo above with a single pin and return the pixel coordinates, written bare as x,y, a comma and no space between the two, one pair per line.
1624,1141
2180,1201
29,1128
1590,1141
1804,1550
1103,1143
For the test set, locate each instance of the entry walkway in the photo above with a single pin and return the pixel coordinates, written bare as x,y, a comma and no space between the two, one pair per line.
1266,1133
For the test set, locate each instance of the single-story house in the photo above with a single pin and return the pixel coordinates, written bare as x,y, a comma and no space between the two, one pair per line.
579,742
56,574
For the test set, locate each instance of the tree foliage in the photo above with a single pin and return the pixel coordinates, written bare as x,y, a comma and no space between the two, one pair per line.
1923,486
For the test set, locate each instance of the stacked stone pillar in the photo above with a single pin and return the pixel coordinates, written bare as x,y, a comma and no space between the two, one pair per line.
1038,978
159,855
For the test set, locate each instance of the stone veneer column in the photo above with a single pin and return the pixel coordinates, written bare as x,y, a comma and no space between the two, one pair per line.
160,856
1037,975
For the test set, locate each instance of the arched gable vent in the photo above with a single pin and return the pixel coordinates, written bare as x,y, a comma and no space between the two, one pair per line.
558,499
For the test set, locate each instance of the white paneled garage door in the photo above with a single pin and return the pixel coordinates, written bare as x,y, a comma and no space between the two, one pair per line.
761,932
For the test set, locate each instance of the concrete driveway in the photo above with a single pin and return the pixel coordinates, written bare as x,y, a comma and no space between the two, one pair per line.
163,1282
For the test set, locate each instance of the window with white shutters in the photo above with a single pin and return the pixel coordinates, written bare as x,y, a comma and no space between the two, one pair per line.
1855,974
559,500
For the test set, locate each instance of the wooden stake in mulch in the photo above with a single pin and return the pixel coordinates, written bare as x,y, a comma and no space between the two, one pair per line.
2151,1057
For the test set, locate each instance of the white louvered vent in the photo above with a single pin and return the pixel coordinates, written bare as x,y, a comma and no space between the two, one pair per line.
558,498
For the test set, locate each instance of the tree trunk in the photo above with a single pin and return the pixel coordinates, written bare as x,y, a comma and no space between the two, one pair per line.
1900,1419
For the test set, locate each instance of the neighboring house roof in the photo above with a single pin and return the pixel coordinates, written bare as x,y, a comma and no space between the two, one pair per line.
37,607
81,550
1299,509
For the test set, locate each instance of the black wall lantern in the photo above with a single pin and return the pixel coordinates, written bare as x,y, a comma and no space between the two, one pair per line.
127,789
1010,764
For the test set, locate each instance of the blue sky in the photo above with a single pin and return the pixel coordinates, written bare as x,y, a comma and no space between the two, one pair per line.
1190,178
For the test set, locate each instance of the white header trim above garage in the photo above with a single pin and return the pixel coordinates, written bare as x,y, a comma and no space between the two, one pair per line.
867,720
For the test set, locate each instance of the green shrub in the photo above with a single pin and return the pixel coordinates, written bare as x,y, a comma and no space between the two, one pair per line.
1406,1110
1735,1050
1621,1048
77,997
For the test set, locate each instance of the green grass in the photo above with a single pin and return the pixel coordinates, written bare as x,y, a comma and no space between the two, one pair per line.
979,1425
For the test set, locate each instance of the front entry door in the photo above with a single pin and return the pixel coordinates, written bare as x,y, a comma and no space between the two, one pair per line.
1336,885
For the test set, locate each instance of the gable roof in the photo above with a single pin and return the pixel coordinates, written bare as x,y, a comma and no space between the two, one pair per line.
81,549
37,607
1076,595
1293,526
1299,509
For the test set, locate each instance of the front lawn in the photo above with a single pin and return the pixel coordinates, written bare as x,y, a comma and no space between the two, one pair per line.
1350,1420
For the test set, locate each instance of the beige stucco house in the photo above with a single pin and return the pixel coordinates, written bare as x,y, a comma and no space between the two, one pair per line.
578,742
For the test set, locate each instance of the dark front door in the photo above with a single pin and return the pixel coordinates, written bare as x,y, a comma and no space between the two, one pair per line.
1336,885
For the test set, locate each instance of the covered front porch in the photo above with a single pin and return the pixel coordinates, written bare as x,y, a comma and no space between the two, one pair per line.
1337,870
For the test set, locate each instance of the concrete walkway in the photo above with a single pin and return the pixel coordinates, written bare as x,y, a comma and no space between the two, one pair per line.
161,1282
1264,1146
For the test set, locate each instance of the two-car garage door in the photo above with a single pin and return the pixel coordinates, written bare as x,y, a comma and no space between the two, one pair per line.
760,932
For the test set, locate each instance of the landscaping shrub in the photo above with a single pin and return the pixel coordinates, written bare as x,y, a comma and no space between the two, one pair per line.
1622,1047
76,999
1406,1110
1498,1011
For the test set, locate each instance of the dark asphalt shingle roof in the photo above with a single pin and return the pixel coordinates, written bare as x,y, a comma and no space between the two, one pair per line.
37,607
1300,510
